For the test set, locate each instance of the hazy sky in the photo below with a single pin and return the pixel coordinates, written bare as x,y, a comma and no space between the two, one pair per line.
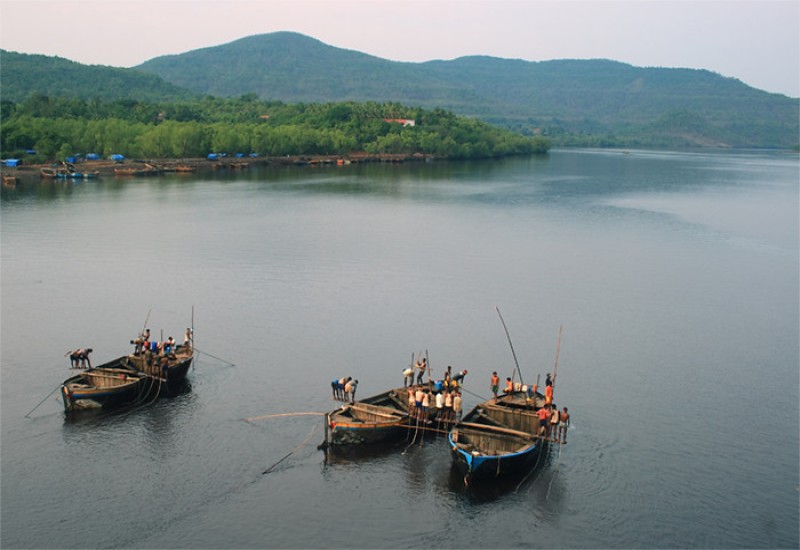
756,41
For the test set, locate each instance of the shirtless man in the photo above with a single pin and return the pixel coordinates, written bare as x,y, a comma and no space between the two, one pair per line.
563,424
421,366
554,423
350,390
495,385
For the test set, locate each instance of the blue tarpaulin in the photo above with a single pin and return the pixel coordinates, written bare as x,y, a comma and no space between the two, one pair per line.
212,156
11,162
92,156
117,157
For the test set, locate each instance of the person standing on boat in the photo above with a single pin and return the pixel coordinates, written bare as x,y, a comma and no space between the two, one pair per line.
509,386
439,405
412,401
408,376
457,406
563,425
421,366
495,385
187,338
448,407
554,421
418,396
169,346
548,395
458,379
544,415
350,390
426,404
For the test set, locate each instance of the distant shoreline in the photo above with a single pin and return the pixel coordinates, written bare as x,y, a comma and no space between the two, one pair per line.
155,167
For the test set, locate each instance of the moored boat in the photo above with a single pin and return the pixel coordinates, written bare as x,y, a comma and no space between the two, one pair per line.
108,385
382,417
171,366
497,438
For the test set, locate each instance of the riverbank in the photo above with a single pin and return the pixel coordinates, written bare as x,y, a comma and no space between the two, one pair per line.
154,167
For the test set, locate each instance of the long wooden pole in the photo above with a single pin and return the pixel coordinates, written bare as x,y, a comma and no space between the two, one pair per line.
145,321
558,348
513,353
43,400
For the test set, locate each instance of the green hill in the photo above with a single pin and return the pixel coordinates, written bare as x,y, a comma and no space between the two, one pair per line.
22,75
573,102
587,102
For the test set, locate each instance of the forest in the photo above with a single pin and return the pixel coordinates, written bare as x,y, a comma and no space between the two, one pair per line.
44,128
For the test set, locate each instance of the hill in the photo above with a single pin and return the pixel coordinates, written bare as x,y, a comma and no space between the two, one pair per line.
23,74
573,102
588,102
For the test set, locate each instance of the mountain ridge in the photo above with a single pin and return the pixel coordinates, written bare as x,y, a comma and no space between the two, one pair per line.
595,102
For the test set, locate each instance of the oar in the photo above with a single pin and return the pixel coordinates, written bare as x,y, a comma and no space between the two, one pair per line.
43,400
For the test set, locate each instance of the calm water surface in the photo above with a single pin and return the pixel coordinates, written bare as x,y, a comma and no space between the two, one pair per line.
674,275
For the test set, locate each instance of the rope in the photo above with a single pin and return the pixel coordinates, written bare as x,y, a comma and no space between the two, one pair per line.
266,416
533,470
558,463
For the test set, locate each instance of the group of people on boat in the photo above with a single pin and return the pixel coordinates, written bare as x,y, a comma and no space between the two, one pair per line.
434,405
79,358
143,344
553,424
344,389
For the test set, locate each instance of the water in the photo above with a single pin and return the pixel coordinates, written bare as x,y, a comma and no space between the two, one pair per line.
674,275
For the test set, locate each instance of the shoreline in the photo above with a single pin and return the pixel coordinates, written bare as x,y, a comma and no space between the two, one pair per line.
155,167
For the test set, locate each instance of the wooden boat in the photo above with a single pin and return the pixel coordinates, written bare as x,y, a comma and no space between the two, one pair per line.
108,385
48,172
172,367
382,417
148,170
497,439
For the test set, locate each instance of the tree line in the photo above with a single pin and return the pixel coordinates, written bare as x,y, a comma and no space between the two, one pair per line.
57,127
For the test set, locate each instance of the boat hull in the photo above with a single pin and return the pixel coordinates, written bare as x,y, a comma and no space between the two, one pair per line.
497,439
479,467
103,387
360,433
150,364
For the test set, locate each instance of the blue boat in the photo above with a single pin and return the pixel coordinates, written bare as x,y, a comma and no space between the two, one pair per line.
497,438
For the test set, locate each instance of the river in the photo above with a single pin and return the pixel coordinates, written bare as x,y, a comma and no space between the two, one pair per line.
673,274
